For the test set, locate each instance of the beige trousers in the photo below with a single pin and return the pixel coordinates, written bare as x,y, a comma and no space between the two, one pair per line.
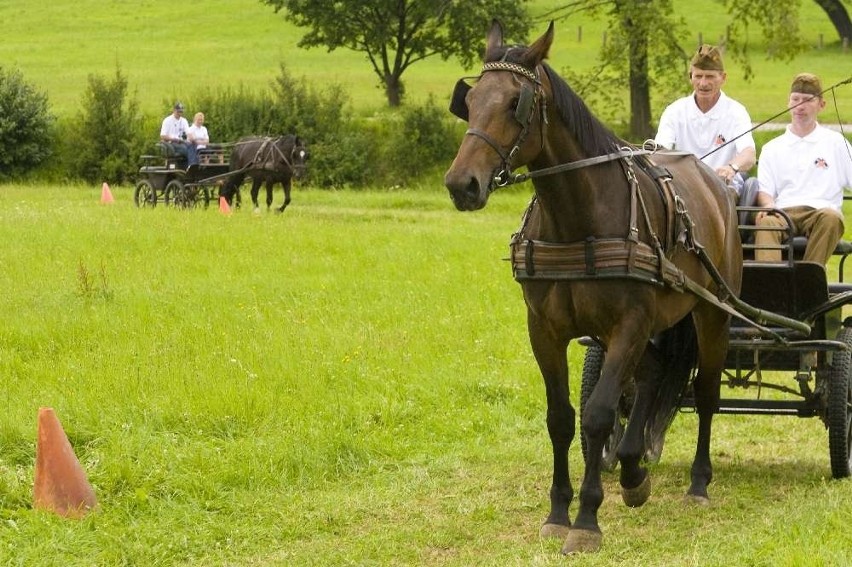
823,227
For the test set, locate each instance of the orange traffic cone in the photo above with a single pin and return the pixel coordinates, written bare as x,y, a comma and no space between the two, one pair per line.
224,207
106,194
60,483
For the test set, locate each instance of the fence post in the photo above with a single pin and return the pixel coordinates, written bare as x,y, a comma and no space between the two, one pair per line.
579,34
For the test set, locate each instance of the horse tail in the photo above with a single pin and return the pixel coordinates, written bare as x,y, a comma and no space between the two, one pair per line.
678,347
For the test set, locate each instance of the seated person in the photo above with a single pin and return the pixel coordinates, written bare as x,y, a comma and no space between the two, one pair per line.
803,172
197,138
173,131
703,122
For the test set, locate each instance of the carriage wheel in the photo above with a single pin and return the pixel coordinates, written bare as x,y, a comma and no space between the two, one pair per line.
839,408
592,364
174,193
144,195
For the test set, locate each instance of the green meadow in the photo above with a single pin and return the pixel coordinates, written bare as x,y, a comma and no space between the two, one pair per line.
349,383
169,51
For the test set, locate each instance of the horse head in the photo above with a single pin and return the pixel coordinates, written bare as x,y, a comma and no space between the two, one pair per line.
299,157
506,112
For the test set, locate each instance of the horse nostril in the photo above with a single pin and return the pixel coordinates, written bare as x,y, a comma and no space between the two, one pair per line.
472,188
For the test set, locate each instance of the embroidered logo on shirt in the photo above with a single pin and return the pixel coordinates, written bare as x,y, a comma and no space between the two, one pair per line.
720,139
820,163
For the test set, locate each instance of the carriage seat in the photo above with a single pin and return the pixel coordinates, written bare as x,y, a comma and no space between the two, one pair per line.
748,198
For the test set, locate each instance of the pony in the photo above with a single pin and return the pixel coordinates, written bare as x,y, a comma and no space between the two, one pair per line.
266,160
618,244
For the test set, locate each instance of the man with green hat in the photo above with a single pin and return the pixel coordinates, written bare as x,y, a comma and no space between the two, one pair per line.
803,172
706,120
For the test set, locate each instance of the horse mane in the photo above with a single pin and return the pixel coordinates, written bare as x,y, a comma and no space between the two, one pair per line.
592,136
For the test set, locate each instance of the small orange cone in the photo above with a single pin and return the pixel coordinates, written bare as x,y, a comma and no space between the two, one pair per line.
224,207
60,483
106,194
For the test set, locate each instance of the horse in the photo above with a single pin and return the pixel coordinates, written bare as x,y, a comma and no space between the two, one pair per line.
618,244
269,160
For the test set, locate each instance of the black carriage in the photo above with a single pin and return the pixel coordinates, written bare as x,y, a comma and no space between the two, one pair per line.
772,369
165,177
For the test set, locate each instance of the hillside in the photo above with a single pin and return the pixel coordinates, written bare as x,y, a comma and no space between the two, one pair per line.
170,50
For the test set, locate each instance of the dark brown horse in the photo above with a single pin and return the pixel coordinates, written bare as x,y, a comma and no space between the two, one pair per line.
619,244
266,160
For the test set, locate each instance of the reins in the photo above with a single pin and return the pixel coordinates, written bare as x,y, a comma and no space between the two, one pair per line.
576,261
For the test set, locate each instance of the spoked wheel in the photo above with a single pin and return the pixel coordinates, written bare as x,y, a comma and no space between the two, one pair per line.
144,194
592,364
174,193
839,408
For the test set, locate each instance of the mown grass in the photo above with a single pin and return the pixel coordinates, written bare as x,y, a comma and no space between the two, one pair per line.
170,51
349,383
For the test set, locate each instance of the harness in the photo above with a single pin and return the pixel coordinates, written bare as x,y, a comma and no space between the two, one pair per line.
608,258
266,154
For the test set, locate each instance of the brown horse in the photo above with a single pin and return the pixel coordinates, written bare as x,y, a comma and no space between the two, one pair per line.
618,244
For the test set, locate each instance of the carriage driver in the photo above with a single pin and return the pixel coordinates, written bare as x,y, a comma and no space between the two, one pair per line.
173,130
707,119
803,172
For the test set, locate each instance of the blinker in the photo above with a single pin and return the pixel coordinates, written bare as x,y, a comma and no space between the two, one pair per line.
526,100
458,105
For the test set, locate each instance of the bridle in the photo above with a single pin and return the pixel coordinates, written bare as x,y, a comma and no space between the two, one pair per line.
531,94
528,99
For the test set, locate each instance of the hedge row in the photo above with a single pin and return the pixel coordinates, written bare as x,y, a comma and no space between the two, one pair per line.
104,140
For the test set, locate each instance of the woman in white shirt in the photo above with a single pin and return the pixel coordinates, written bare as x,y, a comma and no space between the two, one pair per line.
197,137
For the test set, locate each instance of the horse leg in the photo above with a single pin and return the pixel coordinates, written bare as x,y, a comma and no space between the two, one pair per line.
710,324
255,189
231,186
286,185
550,354
634,479
624,352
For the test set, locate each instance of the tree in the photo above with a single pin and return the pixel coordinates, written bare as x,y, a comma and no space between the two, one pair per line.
646,38
836,12
106,136
395,34
25,125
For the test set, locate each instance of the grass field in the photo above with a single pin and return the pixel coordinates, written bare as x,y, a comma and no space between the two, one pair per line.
347,384
171,51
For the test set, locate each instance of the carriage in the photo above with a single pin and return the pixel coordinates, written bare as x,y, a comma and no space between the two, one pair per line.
771,370
222,167
165,177
628,244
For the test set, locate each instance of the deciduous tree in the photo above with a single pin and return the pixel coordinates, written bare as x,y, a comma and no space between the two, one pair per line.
395,34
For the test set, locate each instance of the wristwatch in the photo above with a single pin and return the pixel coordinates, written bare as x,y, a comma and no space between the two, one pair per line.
735,168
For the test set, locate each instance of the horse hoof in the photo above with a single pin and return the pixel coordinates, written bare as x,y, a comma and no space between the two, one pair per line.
696,500
582,541
556,531
256,210
635,497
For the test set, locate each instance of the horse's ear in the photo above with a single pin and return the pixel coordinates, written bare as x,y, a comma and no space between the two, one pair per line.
494,39
538,51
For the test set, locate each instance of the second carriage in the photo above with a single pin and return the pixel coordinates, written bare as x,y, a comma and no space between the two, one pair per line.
166,178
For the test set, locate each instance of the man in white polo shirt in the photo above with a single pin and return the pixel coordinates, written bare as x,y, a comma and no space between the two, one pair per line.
803,172
707,119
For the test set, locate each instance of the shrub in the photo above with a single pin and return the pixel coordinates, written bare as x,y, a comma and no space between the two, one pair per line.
423,138
342,151
105,139
25,125
232,113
